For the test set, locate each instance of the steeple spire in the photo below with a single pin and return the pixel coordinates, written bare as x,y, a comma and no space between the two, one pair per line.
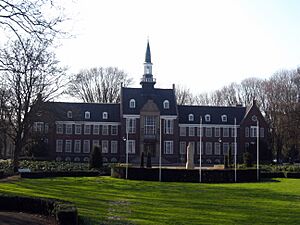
148,54
148,80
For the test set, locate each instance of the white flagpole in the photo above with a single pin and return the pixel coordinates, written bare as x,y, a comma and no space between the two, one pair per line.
257,149
235,149
200,151
160,135
127,124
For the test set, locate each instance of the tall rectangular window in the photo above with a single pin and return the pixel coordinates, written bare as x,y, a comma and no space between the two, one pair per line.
182,131
246,131
217,148
59,128
182,147
149,125
114,147
232,148
77,146
192,145
114,130
233,134
198,147
86,146
168,147
87,129
131,146
38,127
69,129
131,124
104,144
198,131
96,143
68,146
46,128
261,132
253,131
208,148
96,129
208,131
225,132
217,132
225,148
104,129
59,145
191,131
168,125
77,128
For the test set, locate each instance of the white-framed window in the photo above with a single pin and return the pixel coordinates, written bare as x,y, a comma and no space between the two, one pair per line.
192,145
131,146
198,147
105,115
217,132
168,126
246,131
87,115
149,125
114,146
131,124
38,127
247,145
132,103
182,147
224,118
86,146
208,132
232,148
77,128
225,132
114,130
191,117
217,148
59,128
46,128
104,129
168,147
68,159
77,146
207,118
69,129
261,132
182,131
69,114
225,148
253,131
59,145
233,130
191,131
166,104
208,148
104,144
76,159
96,128
68,146
198,131
87,129
96,143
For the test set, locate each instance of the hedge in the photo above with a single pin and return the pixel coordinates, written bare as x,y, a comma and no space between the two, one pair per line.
183,175
44,174
280,175
1,174
64,212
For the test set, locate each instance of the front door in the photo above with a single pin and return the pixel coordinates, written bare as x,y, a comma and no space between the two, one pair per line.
149,147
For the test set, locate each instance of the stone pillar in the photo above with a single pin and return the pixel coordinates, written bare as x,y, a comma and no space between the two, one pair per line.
190,157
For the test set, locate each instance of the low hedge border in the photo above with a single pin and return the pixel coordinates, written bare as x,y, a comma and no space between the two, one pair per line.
183,175
64,212
280,175
45,174
1,174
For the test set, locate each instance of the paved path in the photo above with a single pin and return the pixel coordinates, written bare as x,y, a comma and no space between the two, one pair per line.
18,218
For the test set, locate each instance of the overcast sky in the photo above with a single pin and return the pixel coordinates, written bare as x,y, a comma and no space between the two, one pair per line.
202,45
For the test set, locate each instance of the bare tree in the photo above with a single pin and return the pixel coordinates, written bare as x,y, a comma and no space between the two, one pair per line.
100,84
31,75
184,96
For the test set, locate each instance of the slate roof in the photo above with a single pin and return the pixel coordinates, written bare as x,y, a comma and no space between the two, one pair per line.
60,110
140,97
215,113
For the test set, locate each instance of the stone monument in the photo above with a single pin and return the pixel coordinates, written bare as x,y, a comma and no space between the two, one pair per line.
189,157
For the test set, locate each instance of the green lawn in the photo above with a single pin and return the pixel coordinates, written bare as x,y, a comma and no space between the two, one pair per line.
115,201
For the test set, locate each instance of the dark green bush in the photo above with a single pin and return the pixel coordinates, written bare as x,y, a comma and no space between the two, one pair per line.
96,161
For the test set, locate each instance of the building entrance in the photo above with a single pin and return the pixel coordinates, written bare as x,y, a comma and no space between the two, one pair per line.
149,147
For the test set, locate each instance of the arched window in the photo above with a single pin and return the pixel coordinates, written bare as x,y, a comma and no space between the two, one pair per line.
207,118
69,114
166,104
132,103
104,115
224,118
87,115
191,117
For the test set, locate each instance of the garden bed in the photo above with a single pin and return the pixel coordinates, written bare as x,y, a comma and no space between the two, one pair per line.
44,174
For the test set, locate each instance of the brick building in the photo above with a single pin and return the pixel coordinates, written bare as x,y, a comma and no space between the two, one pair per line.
149,120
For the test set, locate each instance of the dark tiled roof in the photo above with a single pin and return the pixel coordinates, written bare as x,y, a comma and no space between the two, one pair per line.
60,110
215,113
140,97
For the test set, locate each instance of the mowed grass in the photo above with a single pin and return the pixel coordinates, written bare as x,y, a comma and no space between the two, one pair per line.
105,200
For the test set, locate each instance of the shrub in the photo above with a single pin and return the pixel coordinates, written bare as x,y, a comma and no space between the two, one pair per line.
96,158
149,164
142,159
247,158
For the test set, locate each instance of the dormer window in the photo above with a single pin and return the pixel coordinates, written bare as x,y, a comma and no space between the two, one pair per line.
207,118
87,115
105,115
224,118
132,103
166,104
69,114
191,117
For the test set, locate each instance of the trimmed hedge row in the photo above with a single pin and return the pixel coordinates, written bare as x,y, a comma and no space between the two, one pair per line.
64,212
183,175
45,174
280,175
1,174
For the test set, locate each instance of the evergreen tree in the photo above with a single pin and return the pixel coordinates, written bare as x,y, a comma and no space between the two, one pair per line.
96,161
